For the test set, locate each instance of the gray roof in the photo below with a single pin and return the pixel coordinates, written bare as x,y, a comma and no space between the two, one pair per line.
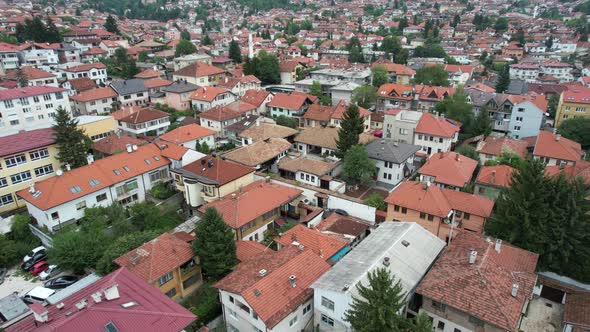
180,87
411,250
389,150
517,87
127,87
12,307
75,287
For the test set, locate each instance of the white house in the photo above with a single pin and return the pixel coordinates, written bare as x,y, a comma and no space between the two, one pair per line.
38,55
208,97
30,107
95,101
393,160
564,46
131,92
145,121
95,71
527,117
189,135
9,55
435,134
406,249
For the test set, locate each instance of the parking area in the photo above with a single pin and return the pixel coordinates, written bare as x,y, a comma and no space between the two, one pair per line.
16,281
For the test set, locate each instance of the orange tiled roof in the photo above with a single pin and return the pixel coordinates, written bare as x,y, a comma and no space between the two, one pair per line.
497,176
292,102
249,249
323,245
199,69
186,133
208,93
449,168
215,170
580,169
95,94
86,67
31,73
156,82
557,147
493,145
144,115
436,126
255,97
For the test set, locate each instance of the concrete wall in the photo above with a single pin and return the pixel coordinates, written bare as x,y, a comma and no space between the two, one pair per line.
452,318
532,119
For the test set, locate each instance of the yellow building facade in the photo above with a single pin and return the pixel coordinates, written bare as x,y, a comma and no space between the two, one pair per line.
573,103
97,127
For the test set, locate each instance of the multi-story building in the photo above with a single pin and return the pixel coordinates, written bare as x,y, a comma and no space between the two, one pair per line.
400,125
573,103
200,73
435,134
417,97
293,105
208,97
33,76
145,121
553,149
25,157
239,85
131,92
9,55
178,95
95,71
97,127
448,170
190,135
30,107
320,116
393,160
219,117
533,72
94,101
38,54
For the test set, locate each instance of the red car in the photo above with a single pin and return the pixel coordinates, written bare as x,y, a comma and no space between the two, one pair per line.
39,267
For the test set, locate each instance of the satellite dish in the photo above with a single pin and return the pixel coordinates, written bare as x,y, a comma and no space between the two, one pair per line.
134,147
59,172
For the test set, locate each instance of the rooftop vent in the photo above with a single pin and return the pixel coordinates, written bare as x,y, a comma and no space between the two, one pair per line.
472,256
257,293
514,290
405,243
498,245
262,272
129,304
386,261
112,293
292,280
557,138
82,304
97,297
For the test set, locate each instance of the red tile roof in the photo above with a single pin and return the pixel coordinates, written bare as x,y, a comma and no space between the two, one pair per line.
246,250
292,102
272,296
207,93
157,257
252,201
186,133
82,84
436,126
156,82
153,310
87,67
28,91
482,289
56,190
449,168
494,145
25,141
198,69
95,94
226,112
218,171
255,97
149,73
113,144
30,73
577,310
498,176
323,245
578,95
580,169
557,147
144,115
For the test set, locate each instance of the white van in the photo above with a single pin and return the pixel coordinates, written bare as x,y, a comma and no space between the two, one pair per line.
38,294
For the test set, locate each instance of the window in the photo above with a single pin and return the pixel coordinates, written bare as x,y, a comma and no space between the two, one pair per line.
49,106
94,182
430,217
439,306
165,278
81,205
327,320
6,200
157,175
43,170
24,101
243,306
55,215
420,136
458,214
403,131
519,118
231,299
8,104
327,303
422,215
404,210
516,127
46,97
101,197
36,99
440,140
15,160
3,182
293,321
440,325
171,292
466,216
232,313
396,208
20,177
75,189
475,321
307,308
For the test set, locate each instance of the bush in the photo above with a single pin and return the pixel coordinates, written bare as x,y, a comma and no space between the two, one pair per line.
162,191
375,200
204,303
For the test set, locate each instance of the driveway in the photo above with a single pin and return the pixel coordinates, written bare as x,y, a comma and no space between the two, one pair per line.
17,283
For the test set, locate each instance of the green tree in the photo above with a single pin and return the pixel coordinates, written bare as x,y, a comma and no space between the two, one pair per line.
467,151
350,128
147,216
364,96
121,246
482,125
503,79
379,76
357,167
422,323
20,231
9,254
185,47
457,107
576,129
21,78
265,67
552,103
507,158
142,56
432,75
72,143
378,305
234,52
316,90
356,55
501,25
206,41
184,34
391,45
52,34
203,148
111,25
286,121
376,200
215,245
78,250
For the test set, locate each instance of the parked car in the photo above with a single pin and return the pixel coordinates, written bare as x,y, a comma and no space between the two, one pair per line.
50,272
33,253
39,267
38,294
3,272
61,282
36,258
329,212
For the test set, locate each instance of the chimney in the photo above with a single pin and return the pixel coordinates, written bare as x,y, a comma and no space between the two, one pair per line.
514,290
233,196
457,157
472,256
557,137
97,297
82,304
129,148
68,167
40,312
89,159
32,187
262,272
498,245
386,261
112,293
493,176
292,280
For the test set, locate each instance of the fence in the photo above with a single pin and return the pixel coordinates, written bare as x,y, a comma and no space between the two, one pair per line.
45,239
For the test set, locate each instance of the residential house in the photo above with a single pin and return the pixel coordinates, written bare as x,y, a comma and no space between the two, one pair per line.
418,97
200,73
34,76
38,54
95,71
292,106
68,53
93,102
146,121
573,103
494,147
262,155
289,70
459,74
251,211
150,73
580,170
167,262
350,229
491,180
114,144
131,92
187,60
398,74
258,98
405,249
552,149
30,107
400,125
9,56
154,87
239,85
394,161
438,209
435,134
321,116
448,170
327,247
208,97
322,141
123,178
260,131
97,127
25,157
246,250
270,291
115,302
313,172
77,85
109,46
472,273
178,95
342,92
219,117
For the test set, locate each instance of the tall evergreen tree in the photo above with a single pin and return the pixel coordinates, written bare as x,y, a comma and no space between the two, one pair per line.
111,25
184,34
350,129
207,41
215,245
234,52
379,76
72,143
21,77
52,34
378,306
503,79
